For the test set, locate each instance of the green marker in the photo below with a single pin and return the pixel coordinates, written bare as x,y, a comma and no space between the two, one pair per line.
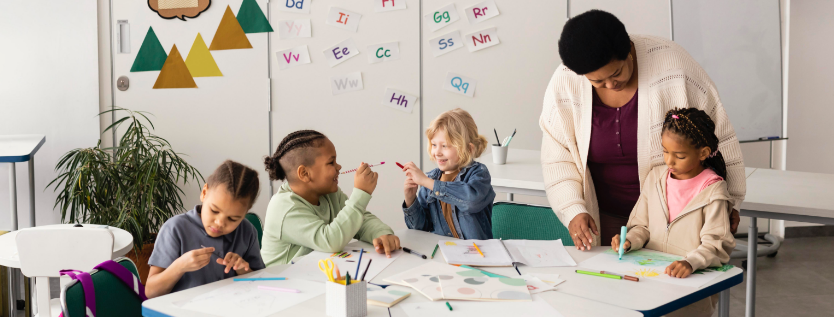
616,277
450,306
347,278
435,250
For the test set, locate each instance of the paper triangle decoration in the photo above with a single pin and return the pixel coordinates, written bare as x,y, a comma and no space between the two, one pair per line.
229,35
200,63
174,73
252,18
151,55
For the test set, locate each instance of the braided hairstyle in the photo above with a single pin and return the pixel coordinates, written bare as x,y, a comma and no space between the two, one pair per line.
696,126
240,180
297,140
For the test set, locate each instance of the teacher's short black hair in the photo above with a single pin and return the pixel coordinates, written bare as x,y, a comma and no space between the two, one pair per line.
590,40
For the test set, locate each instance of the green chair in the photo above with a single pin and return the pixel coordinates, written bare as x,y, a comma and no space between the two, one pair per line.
113,297
527,222
256,221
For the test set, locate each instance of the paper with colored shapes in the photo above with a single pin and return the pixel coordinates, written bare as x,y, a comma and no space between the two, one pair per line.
151,55
386,297
307,267
482,39
290,29
649,265
463,252
437,19
460,84
535,285
446,43
399,100
294,6
537,308
428,268
539,253
384,52
293,57
341,52
468,284
482,11
343,19
425,279
389,5
174,73
252,18
346,83
200,63
229,35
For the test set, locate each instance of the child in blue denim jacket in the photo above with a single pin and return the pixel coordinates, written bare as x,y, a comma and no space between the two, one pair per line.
454,199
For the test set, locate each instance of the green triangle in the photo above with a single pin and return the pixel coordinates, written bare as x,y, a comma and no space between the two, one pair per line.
151,55
252,18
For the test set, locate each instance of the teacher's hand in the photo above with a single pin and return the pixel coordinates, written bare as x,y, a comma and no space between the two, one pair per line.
580,229
734,220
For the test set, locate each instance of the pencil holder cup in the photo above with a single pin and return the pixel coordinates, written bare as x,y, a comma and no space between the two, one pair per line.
346,301
499,154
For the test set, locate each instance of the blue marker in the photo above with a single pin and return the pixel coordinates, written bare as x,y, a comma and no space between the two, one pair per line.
623,231
768,138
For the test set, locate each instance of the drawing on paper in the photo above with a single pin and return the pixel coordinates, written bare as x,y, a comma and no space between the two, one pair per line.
646,273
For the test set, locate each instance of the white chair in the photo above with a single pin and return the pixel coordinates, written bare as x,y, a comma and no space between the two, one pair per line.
45,252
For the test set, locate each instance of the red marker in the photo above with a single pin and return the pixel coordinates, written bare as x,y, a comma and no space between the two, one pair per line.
400,165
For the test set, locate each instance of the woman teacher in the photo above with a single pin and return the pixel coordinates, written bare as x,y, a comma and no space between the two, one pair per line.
602,118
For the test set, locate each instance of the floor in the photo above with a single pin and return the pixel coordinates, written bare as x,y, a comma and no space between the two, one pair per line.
799,281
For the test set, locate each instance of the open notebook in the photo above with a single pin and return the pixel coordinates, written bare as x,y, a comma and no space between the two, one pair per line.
506,252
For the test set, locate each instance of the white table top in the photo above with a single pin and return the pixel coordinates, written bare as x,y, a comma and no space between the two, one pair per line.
19,148
790,193
122,243
580,295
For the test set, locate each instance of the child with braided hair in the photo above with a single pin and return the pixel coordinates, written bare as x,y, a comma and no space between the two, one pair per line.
684,205
309,211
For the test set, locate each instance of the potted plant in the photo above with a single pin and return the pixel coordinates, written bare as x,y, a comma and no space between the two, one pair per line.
133,186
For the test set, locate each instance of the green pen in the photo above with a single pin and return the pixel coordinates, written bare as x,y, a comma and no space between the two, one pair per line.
450,306
347,279
616,277
435,250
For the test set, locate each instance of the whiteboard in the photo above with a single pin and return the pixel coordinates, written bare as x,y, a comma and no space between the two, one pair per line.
738,44
650,17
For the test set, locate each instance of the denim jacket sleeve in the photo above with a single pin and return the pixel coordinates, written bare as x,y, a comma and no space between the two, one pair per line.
471,195
417,215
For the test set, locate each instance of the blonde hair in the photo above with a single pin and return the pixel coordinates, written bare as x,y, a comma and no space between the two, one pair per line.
460,132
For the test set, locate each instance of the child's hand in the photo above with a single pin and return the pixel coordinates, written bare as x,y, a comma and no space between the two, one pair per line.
386,244
679,269
195,259
234,261
420,178
615,244
365,179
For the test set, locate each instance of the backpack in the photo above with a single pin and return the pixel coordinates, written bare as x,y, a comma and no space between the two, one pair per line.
117,270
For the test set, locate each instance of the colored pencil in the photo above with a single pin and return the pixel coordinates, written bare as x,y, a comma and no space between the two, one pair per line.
366,270
479,249
599,274
496,136
450,306
354,170
435,250
359,263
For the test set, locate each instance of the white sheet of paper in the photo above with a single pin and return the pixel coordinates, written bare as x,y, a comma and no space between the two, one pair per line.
550,279
399,100
343,19
439,18
482,39
294,6
293,57
384,52
460,84
389,5
431,267
245,299
537,308
463,252
290,29
346,83
341,52
482,11
647,265
539,253
446,43
535,285
466,284
307,267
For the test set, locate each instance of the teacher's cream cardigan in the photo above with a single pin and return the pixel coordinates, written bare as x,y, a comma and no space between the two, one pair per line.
667,78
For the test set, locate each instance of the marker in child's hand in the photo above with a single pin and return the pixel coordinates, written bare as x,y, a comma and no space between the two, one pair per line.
623,231
400,165
354,170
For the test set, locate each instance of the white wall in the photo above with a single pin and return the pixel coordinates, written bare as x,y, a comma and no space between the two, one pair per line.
48,85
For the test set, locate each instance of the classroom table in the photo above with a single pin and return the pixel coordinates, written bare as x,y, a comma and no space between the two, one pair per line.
783,195
580,295
122,243
20,148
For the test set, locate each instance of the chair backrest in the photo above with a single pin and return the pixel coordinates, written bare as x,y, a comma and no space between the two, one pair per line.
113,297
44,252
527,222
256,221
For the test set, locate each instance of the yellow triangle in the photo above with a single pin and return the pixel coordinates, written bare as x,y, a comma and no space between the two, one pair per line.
229,34
199,61
174,73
